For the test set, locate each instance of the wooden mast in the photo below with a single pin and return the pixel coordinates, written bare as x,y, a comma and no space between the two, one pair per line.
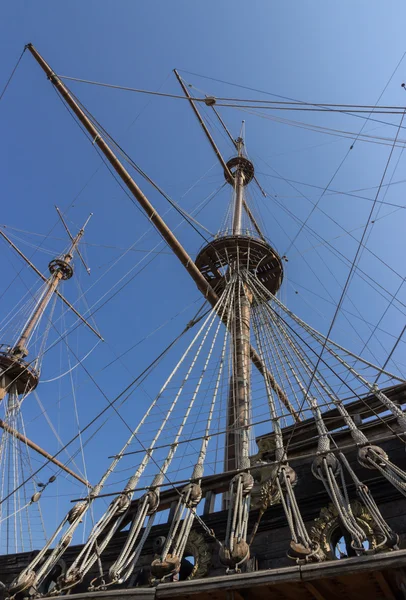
239,397
57,292
60,269
153,215
22,438
19,377
155,218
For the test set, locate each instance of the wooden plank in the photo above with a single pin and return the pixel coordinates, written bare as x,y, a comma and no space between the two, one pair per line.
316,594
383,584
238,595
372,429
132,594
172,510
289,591
265,593
238,581
209,502
356,565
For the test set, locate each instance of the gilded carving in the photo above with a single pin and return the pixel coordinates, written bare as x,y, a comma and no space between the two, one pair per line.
264,493
265,444
197,547
328,522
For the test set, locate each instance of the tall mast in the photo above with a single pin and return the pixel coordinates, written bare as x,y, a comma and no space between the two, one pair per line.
253,254
17,376
205,271
239,398
61,270
57,292
17,379
195,271
239,187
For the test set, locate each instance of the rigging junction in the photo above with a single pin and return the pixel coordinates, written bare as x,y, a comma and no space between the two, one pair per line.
269,504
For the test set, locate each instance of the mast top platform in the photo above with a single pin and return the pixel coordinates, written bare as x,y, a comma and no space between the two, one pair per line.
14,370
242,164
238,247
58,265
257,256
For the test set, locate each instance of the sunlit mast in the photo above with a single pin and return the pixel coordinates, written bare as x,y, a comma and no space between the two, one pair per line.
18,378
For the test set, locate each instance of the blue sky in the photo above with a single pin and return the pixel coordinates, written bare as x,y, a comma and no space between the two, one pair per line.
314,51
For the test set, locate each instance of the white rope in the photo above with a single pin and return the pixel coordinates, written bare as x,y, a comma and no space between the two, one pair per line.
127,558
69,371
174,539
319,336
90,552
324,468
74,517
357,435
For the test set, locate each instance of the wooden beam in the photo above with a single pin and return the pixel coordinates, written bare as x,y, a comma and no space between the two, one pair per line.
287,590
41,451
209,502
383,584
316,594
204,126
57,292
155,218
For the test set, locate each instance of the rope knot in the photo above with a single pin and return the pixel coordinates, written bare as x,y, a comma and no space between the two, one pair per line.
76,511
153,501
192,494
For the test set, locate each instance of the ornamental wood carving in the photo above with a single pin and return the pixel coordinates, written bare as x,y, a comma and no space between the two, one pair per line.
200,550
328,522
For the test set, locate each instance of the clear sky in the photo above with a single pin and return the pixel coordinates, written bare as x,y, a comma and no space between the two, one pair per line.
315,51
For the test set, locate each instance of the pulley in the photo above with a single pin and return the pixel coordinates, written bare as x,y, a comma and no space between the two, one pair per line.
299,551
289,473
323,462
193,493
232,558
24,581
367,459
153,501
76,511
121,504
164,568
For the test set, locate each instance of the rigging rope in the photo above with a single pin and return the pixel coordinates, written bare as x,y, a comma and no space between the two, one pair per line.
274,105
119,506
12,75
